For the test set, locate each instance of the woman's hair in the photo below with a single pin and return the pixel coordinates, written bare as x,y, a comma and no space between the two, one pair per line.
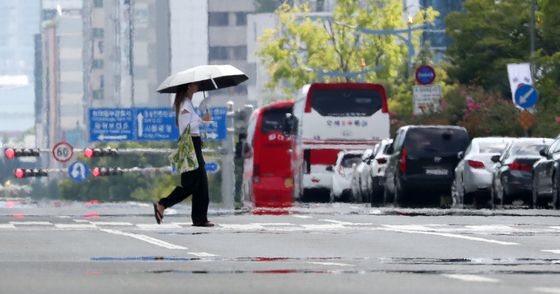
179,97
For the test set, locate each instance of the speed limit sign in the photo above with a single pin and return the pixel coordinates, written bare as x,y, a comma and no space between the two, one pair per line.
62,151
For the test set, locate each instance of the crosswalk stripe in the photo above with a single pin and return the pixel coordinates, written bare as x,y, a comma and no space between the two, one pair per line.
32,223
472,278
75,226
7,226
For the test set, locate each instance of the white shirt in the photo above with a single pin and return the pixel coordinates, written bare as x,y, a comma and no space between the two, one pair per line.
187,115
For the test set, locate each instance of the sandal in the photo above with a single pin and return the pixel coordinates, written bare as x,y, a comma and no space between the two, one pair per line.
158,215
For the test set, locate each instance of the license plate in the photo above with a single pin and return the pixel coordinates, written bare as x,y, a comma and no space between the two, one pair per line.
436,172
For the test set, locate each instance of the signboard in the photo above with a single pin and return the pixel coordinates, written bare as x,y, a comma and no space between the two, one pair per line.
425,74
62,151
78,171
526,119
426,99
212,167
518,74
148,124
526,96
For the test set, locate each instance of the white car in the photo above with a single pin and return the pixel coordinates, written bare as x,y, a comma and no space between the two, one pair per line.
473,174
361,176
377,172
342,174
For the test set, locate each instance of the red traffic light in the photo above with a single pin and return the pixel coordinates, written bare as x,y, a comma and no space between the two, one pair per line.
10,153
96,172
88,153
20,173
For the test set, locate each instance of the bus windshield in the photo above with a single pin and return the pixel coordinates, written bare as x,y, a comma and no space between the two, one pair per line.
273,119
346,102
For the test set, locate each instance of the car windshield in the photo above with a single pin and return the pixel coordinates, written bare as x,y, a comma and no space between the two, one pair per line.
492,147
430,141
350,159
527,148
273,119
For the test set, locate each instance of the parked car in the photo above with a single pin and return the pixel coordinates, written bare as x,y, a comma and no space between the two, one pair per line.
360,175
473,174
377,172
512,173
546,177
342,175
422,163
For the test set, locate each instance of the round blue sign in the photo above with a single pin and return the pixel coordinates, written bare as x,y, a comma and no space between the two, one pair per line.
526,96
425,74
78,171
212,167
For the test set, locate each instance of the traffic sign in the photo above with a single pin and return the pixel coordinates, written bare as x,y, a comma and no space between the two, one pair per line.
526,119
78,171
426,99
526,96
216,130
62,151
425,74
212,167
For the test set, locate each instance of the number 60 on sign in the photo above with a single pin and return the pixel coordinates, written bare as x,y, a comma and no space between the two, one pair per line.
62,151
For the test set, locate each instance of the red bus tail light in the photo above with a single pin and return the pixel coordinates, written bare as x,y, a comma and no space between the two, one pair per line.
402,162
519,166
475,164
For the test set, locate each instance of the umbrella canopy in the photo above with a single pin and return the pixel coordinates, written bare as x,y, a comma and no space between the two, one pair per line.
210,77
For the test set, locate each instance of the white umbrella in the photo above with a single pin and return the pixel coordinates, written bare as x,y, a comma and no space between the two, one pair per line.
210,77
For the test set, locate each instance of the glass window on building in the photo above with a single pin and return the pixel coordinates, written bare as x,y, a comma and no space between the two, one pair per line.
218,53
97,94
240,52
218,19
98,32
97,63
241,18
98,3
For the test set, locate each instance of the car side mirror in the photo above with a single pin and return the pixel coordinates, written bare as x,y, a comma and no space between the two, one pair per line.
460,155
495,158
543,153
330,168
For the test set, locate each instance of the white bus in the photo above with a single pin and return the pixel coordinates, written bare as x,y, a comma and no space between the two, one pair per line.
329,118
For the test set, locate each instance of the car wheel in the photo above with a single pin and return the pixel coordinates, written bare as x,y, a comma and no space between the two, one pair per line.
400,194
387,196
535,197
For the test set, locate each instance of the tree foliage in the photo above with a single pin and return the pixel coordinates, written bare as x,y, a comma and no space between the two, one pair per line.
304,46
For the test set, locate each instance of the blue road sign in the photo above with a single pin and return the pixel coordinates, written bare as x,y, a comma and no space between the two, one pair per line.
78,171
212,167
425,74
526,96
148,124
217,129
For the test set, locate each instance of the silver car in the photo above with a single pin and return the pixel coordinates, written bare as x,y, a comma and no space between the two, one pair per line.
360,176
473,174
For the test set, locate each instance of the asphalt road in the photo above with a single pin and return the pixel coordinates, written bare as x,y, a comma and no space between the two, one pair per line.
59,247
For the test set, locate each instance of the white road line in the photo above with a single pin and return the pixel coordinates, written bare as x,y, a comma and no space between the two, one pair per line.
274,224
302,216
7,226
75,226
330,263
472,278
345,223
32,223
202,254
324,227
547,290
157,227
116,224
555,251
243,227
145,238
555,227
392,229
81,221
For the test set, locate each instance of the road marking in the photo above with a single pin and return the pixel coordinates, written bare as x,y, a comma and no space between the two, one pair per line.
7,226
274,224
555,227
547,290
202,254
116,224
145,238
323,227
491,228
555,251
345,223
391,228
32,223
157,227
244,227
75,226
302,216
472,278
330,263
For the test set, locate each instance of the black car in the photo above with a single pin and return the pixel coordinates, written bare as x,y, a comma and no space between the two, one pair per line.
422,162
546,177
512,172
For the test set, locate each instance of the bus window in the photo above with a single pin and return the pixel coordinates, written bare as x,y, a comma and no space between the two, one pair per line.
346,102
274,120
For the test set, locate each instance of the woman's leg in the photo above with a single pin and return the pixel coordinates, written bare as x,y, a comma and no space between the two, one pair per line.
180,193
200,200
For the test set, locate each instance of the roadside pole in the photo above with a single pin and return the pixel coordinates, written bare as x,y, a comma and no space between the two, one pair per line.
228,168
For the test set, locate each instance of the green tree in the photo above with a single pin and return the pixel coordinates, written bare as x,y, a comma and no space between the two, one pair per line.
301,46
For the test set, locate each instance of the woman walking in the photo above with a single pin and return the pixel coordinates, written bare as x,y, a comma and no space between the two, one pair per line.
193,181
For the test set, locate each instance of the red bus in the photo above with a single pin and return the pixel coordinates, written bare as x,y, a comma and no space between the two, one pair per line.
267,179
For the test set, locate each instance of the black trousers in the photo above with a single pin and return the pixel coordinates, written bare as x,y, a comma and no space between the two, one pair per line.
193,183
